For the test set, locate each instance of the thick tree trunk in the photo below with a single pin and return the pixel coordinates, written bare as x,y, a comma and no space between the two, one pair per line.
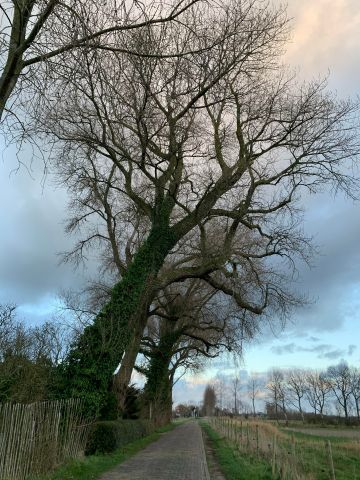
158,389
93,360
123,376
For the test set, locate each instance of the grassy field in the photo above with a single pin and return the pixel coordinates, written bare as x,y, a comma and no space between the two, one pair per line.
289,455
91,467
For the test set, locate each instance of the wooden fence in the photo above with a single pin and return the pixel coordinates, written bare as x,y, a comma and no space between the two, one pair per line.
290,458
35,438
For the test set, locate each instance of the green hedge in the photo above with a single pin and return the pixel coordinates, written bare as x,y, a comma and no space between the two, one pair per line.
107,436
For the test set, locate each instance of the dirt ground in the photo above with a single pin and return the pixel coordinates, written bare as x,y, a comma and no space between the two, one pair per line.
329,432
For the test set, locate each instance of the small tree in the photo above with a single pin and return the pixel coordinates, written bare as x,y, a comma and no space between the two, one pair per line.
235,387
254,385
209,401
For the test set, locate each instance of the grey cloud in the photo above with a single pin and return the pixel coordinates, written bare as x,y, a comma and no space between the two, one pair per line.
284,349
32,234
351,349
314,339
333,354
322,351
293,348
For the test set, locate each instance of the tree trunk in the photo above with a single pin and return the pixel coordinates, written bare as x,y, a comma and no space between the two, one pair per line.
357,408
122,378
91,363
301,412
158,388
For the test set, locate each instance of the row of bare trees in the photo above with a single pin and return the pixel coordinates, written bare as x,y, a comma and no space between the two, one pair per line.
285,392
185,146
334,390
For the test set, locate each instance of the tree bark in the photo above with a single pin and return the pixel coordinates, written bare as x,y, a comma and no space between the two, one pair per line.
123,376
158,389
93,360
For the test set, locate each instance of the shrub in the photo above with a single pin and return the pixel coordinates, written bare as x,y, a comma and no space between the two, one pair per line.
107,436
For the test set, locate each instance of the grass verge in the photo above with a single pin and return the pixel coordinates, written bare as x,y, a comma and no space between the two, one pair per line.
233,464
89,468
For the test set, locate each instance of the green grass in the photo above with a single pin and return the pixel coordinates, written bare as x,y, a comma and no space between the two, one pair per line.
89,468
234,465
318,438
311,459
315,459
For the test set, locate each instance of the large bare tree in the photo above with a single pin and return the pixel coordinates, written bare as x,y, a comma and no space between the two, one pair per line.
222,135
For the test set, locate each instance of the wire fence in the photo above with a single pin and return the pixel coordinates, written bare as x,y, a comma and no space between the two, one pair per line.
291,458
35,438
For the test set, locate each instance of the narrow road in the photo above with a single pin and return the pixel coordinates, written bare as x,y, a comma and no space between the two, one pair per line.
177,455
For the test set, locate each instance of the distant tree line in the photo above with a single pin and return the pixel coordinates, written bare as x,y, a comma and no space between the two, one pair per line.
288,393
333,390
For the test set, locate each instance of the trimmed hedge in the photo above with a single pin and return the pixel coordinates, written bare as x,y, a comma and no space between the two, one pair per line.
107,436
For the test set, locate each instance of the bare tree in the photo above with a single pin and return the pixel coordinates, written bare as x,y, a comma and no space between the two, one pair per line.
117,231
355,389
339,378
277,388
317,390
7,326
254,385
296,386
221,135
221,390
235,387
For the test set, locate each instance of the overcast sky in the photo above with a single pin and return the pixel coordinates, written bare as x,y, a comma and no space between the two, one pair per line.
325,40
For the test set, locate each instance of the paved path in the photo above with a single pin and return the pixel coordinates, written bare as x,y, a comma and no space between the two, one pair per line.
177,455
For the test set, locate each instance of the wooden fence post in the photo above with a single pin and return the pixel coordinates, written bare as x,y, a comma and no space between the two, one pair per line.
273,461
331,461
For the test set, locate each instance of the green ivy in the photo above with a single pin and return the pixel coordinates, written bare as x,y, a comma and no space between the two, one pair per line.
158,387
89,368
